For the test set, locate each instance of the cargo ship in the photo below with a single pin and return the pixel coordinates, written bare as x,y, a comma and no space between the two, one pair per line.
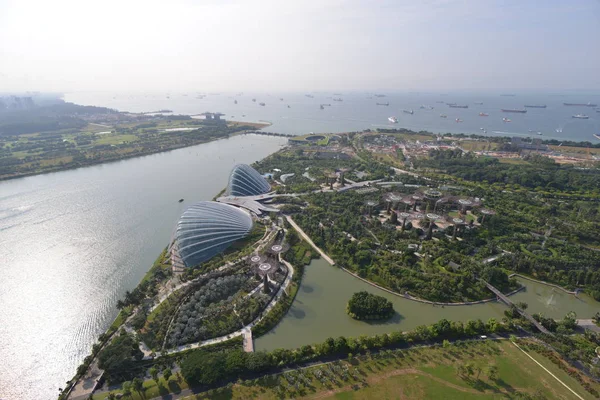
581,104
482,114
338,99
535,105
457,106
411,112
580,116
513,110
261,104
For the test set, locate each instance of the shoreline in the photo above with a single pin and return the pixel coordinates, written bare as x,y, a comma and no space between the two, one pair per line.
93,163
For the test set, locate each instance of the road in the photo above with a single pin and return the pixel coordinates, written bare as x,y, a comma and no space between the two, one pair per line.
309,240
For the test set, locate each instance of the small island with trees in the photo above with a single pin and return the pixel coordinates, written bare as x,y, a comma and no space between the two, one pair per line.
366,306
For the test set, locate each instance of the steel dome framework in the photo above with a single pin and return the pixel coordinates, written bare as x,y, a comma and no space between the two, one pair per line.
206,229
246,181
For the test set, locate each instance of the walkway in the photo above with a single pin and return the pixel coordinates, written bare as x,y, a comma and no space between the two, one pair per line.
308,239
545,369
242,331
248,341
509,303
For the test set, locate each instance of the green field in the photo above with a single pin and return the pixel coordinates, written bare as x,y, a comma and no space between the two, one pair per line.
418,373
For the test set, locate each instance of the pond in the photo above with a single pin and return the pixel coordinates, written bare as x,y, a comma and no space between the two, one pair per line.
319,310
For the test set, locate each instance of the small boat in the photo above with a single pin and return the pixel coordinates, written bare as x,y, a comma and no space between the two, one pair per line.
479,103
310,96
411,112
393,120
281,99
254,100
289,106
338,99
597,136
321,106
558,130
458,120
261,104
235,102
539,133
454,105
482,114
443,116
580,116
382,104
506,120
181,200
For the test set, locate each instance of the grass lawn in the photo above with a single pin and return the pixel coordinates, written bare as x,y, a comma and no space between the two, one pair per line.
420,373
151,389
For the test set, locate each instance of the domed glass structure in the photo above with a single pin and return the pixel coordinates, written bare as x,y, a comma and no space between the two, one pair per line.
205,230
246,181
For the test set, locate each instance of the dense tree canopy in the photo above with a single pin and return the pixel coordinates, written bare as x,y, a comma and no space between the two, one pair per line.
367,306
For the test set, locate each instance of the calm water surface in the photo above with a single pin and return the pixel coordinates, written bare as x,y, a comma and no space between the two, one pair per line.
319,310
73,242
359,111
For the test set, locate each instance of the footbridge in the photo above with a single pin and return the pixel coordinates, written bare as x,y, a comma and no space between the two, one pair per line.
509,303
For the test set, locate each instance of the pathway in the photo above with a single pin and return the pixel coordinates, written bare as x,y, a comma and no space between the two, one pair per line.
241,332
309,240
545,369
509,303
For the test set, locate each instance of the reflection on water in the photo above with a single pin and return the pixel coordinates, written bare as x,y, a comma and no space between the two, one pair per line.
72,242
319,310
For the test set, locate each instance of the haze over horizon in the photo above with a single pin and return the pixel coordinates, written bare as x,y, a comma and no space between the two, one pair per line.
270,45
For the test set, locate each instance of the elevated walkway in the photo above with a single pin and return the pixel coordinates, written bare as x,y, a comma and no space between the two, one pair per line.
509,303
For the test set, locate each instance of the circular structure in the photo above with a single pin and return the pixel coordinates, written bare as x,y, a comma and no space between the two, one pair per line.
265,267
419,216
314,138
433,194
256,259
433,216
371,203
206,229
277,248
416,197
393,197
246,181
458,221
465,202
404,215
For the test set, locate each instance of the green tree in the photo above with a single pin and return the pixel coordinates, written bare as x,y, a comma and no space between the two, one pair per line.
138,385
154,374
126,388
492,372
167,373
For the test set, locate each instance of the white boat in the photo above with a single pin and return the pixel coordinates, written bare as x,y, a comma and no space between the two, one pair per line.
580,116
459,120
393,120
506,120
443,116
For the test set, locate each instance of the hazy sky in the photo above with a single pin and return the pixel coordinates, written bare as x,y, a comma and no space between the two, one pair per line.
201,45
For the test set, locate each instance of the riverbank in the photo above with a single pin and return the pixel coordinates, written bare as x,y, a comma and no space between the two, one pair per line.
41,153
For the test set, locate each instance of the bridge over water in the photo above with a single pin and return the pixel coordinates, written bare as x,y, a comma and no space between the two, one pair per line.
509,303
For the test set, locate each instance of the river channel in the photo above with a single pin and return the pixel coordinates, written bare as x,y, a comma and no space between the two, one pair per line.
72,242
319,310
